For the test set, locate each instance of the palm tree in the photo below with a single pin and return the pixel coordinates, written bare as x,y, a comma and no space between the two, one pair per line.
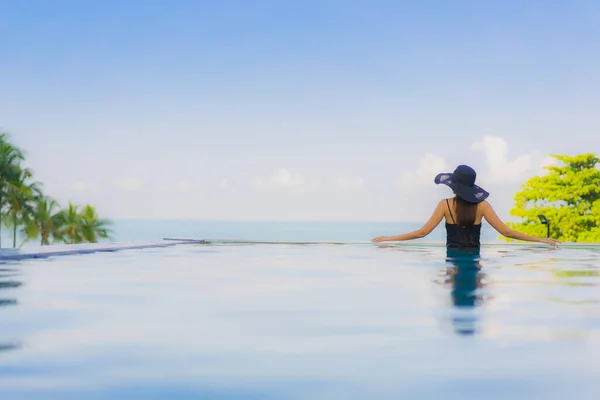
23,204
20,197
45,221
72,227
92,226
10,161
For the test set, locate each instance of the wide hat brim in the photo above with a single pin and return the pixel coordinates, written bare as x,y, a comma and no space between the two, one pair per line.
470,193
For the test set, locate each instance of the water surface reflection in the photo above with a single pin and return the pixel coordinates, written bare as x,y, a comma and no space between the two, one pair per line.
8,283
465,279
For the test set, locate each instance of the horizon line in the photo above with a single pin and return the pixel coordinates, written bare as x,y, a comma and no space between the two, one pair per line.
253,220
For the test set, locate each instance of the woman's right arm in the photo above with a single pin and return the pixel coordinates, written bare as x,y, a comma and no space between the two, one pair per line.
490,216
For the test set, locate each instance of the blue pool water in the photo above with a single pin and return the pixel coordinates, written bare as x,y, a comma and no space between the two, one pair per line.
302,322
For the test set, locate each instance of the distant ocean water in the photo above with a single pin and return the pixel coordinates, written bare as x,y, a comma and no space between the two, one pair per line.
150,230
141,230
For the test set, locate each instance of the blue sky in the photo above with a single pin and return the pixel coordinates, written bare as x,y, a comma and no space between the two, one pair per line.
310,110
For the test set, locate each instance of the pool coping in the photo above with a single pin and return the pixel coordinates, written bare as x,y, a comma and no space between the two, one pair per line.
88,248
363,242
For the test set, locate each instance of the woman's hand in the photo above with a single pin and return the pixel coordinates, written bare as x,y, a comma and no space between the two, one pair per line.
550,241
381,239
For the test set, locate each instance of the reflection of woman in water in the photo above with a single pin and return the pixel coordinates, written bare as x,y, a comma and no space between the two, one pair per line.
465,278
463,214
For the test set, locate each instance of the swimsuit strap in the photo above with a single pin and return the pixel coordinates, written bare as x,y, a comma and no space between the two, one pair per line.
450,211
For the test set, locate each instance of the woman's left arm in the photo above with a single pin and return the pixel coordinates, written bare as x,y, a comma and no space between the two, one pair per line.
425,230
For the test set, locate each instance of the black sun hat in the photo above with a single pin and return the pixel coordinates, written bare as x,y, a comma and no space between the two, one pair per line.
462,182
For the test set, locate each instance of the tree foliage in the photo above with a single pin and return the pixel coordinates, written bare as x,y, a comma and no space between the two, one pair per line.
568,196
24,207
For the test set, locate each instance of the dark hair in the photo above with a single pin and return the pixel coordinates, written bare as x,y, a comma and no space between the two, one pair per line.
465,211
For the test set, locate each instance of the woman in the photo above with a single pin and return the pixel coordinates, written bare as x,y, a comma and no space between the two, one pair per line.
463,214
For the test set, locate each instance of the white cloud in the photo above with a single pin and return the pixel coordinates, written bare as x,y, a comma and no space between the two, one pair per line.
501,169
429,166
286,180
83,187
130,183
258,183
182,186
546,162
78,186
225,184
351,183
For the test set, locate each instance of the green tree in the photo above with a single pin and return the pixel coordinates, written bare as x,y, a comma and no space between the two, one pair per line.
10,171
72,228
569,197
20,198
93,227
45,221
23,205
82,225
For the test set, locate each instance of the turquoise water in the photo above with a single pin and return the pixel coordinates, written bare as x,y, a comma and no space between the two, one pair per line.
131,230
147,230
302,322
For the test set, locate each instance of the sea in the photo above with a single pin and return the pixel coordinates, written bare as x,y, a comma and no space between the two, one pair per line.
144,230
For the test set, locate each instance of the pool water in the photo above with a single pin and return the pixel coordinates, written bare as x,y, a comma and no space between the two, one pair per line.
303,322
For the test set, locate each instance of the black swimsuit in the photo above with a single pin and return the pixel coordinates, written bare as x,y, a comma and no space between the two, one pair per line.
464,237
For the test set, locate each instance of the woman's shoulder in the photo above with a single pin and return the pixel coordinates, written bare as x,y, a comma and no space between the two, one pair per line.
445,202
485,206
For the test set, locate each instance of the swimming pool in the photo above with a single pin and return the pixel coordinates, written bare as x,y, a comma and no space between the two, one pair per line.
321,321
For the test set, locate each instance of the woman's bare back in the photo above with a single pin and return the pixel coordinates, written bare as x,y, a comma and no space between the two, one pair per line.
450,218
